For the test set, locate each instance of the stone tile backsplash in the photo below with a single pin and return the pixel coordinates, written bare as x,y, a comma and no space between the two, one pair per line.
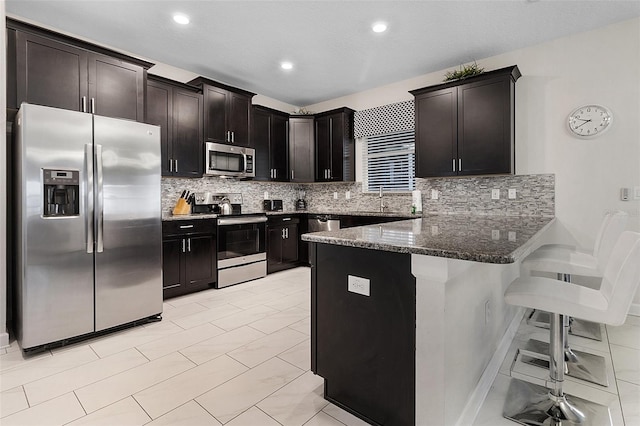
464,195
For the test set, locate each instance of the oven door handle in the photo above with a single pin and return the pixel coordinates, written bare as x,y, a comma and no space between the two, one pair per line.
241,220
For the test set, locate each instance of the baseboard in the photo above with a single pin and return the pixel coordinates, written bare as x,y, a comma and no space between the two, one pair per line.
635,309
474,404
4,340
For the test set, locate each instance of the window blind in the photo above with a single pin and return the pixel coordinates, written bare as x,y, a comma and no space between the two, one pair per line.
389,162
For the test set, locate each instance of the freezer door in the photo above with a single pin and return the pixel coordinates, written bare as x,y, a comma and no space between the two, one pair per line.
128,253
54,266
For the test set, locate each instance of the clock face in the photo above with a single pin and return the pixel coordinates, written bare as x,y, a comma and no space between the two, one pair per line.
589,121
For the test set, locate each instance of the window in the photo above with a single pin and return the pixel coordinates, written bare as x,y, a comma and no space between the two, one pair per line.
389,162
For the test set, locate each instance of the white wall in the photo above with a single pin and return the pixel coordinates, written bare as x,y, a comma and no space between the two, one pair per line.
4,336
600,66
178,74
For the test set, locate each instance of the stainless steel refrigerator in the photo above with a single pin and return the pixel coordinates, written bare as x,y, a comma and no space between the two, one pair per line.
89,240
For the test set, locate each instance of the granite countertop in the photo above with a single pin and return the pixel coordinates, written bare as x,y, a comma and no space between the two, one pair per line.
169,216
464,237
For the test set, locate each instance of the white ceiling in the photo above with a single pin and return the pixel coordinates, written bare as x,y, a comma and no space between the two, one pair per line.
331,43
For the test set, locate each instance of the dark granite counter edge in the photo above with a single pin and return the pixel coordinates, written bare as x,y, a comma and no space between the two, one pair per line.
292,212
476,257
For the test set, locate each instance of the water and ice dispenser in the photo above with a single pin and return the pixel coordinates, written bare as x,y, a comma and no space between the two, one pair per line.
61,192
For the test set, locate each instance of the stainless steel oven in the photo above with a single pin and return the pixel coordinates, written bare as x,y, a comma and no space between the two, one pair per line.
241,249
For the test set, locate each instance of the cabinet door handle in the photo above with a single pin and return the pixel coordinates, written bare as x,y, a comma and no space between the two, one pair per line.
176,165
84,104
454,164
282,233
275,173
285,219
184,250
186,226
170,165
459,164
286,232
93,105
233,137
189,245
292,175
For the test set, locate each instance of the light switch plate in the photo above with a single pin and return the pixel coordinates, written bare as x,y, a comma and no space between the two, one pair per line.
434,194
434,229
359,285
636,192
335,195
495,194
512,193
495,234
512,236
266,195
347,195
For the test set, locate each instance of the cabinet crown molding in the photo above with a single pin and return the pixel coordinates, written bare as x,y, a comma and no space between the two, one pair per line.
512,70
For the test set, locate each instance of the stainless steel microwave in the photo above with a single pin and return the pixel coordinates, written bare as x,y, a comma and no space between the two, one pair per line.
229,161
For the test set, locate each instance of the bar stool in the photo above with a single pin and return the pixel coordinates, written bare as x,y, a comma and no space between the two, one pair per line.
567,261
531,404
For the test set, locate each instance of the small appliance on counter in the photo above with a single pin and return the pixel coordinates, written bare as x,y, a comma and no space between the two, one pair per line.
184,203
222,204
301,203
272,205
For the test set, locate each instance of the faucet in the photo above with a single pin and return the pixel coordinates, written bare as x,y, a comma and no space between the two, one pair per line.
382,206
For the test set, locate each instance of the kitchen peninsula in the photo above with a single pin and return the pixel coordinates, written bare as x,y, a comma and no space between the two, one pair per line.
407,315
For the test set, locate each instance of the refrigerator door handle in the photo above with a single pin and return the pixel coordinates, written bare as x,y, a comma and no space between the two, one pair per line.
88,156
99,201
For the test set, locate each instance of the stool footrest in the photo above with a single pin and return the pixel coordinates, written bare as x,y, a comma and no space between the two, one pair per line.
579,364
579,327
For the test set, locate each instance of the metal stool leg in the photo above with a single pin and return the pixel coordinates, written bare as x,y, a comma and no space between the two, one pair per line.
531,404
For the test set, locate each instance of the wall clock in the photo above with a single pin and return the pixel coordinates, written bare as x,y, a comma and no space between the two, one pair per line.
589,121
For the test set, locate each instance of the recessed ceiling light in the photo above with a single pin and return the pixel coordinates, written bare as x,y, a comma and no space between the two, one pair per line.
181,19
286,65
379,27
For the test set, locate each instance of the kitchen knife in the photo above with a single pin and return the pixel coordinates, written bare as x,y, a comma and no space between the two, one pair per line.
183,193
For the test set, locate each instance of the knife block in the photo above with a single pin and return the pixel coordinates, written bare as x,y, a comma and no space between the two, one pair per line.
181,207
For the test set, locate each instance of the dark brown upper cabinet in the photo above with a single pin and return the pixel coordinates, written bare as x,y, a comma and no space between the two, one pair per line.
301,149
335,148
227,112
49,69
269,137
177,109
467,127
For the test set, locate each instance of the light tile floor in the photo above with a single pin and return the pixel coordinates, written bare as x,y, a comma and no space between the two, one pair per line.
238,356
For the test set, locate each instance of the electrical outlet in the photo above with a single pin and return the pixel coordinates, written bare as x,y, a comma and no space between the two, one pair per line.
512,193
335,195
266,195
347,195
624,194
434,194
495,194
495,234
487,311
636,192
512,236
434,229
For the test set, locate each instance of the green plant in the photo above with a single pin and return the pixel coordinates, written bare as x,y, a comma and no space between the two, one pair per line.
464,72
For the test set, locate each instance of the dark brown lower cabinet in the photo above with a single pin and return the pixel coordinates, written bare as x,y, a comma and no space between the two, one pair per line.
188,256
363,332
282,243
